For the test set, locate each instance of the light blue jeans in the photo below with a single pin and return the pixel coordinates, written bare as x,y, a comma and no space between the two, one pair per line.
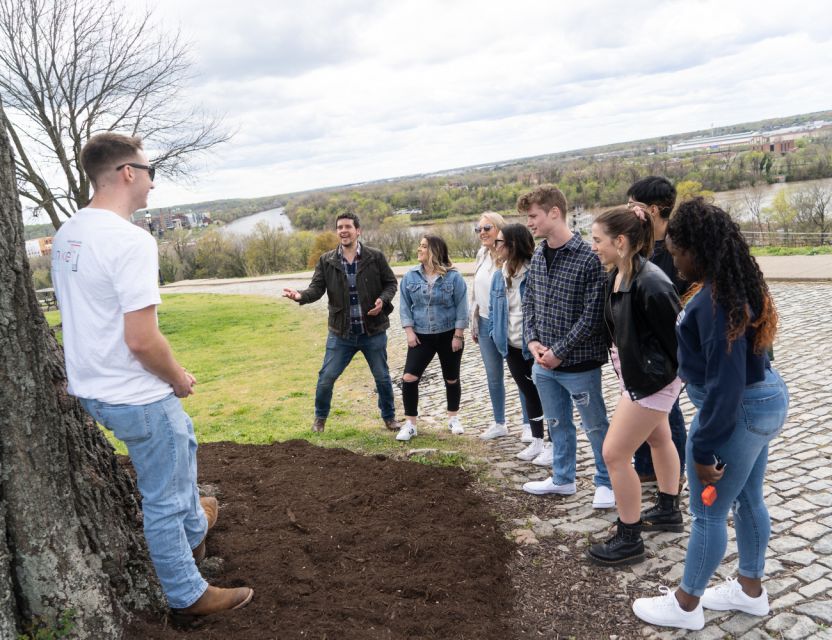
759,419
162,447
558,390
493,361
339,353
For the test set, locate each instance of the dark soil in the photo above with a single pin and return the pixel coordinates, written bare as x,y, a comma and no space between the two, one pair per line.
339,545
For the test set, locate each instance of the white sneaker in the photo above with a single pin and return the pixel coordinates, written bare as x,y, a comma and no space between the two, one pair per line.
532,451
729,596
527,433
664,610
545,457
455,426
604,498
496,430
543,487
407,431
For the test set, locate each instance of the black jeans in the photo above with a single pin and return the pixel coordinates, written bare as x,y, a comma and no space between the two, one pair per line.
521,371
418,359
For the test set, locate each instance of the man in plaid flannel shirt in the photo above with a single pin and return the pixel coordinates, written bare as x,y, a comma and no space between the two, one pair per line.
562,323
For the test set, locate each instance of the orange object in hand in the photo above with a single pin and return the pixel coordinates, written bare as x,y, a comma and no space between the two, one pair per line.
709,495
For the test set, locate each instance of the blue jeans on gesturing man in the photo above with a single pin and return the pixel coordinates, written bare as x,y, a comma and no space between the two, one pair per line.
162,447
339,353
558,391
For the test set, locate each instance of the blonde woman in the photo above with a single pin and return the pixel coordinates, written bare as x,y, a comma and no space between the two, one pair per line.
434,312
487,264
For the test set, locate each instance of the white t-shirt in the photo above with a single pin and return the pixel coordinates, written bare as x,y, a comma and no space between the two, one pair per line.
103,267
482,284
515,307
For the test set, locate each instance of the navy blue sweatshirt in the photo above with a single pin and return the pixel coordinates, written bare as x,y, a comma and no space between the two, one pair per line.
704,360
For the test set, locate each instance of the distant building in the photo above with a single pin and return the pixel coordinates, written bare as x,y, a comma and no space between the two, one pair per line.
775,141
39,247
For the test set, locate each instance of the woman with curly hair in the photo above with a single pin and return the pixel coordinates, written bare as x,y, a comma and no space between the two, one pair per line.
724,332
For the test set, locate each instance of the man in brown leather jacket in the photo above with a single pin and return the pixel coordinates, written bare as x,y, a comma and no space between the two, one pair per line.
360,286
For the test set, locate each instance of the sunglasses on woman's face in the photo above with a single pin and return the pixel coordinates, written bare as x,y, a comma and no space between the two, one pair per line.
485,227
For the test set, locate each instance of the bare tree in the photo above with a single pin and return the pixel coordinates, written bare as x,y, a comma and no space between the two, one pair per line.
814,210
73,68
753,199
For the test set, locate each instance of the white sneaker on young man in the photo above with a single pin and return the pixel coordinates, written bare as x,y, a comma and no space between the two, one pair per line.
729,596
604,498
526,436
496,430
544,459
664,610
455,426
407,431
532,451
547,486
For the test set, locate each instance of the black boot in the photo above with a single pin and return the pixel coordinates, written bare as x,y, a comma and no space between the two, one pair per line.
664,515
625,547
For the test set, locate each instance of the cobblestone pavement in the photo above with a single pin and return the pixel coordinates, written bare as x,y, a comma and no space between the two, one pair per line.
798,482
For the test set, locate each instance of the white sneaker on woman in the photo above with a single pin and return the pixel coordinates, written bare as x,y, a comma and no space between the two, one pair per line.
664,610
729,596
407,431
526,436
455,426
496,430
532,451
544,459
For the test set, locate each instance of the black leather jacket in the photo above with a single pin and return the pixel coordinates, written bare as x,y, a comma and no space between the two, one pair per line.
375,279
640,319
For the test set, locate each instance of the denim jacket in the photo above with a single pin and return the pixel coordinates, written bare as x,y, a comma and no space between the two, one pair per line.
498,314
442,308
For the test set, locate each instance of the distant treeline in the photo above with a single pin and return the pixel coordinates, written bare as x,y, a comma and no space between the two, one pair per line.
593,181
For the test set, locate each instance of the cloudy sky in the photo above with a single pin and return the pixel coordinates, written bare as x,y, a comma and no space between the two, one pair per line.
331,92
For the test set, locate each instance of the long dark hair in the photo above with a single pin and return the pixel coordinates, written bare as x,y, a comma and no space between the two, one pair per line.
519,247
438,254
721,255
634,224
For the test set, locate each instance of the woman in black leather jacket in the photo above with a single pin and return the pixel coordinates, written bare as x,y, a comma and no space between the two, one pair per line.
640,312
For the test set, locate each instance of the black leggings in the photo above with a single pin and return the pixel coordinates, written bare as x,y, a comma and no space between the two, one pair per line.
418,359
521,371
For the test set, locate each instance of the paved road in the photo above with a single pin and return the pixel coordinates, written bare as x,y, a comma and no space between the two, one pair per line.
799,481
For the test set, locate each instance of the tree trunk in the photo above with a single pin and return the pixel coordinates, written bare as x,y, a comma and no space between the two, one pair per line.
70,526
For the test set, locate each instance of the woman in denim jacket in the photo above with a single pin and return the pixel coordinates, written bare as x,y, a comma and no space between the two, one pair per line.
515,247
434,313
724,332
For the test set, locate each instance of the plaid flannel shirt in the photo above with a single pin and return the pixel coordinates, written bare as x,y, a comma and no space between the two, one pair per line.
351,270
563,306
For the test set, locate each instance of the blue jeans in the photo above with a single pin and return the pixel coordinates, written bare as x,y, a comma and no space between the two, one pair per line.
760,418
558,390
339,353
493,361
643,459
162,447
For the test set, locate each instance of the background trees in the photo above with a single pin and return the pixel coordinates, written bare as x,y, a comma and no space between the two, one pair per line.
73,68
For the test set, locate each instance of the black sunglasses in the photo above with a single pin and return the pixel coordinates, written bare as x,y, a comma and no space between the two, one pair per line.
151,170
485,227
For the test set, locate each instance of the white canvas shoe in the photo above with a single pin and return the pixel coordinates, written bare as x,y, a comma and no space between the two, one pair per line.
547,486
455,426
729,596
496,430
664,611
604,498
407,431
545,457
532,451
526,436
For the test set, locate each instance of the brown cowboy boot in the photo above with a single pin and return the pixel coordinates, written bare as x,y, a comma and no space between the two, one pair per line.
214,600
211,508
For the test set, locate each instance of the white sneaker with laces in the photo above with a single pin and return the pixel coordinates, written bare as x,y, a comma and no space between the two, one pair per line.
664,611
526,436
532,451
496,430
729,596
407,431
604,498
547,486
545,457
455,426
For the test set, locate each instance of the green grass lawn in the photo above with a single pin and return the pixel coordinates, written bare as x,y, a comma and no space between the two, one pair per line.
791,251
256,362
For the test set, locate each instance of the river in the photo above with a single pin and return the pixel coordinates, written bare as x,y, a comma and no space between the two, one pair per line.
276,218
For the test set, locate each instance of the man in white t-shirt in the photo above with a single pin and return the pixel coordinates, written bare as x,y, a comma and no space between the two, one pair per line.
122,369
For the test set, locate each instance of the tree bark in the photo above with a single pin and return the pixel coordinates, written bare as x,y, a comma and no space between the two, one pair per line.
70,526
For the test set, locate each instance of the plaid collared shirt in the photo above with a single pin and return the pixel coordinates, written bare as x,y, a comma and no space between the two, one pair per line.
563,305
351,268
